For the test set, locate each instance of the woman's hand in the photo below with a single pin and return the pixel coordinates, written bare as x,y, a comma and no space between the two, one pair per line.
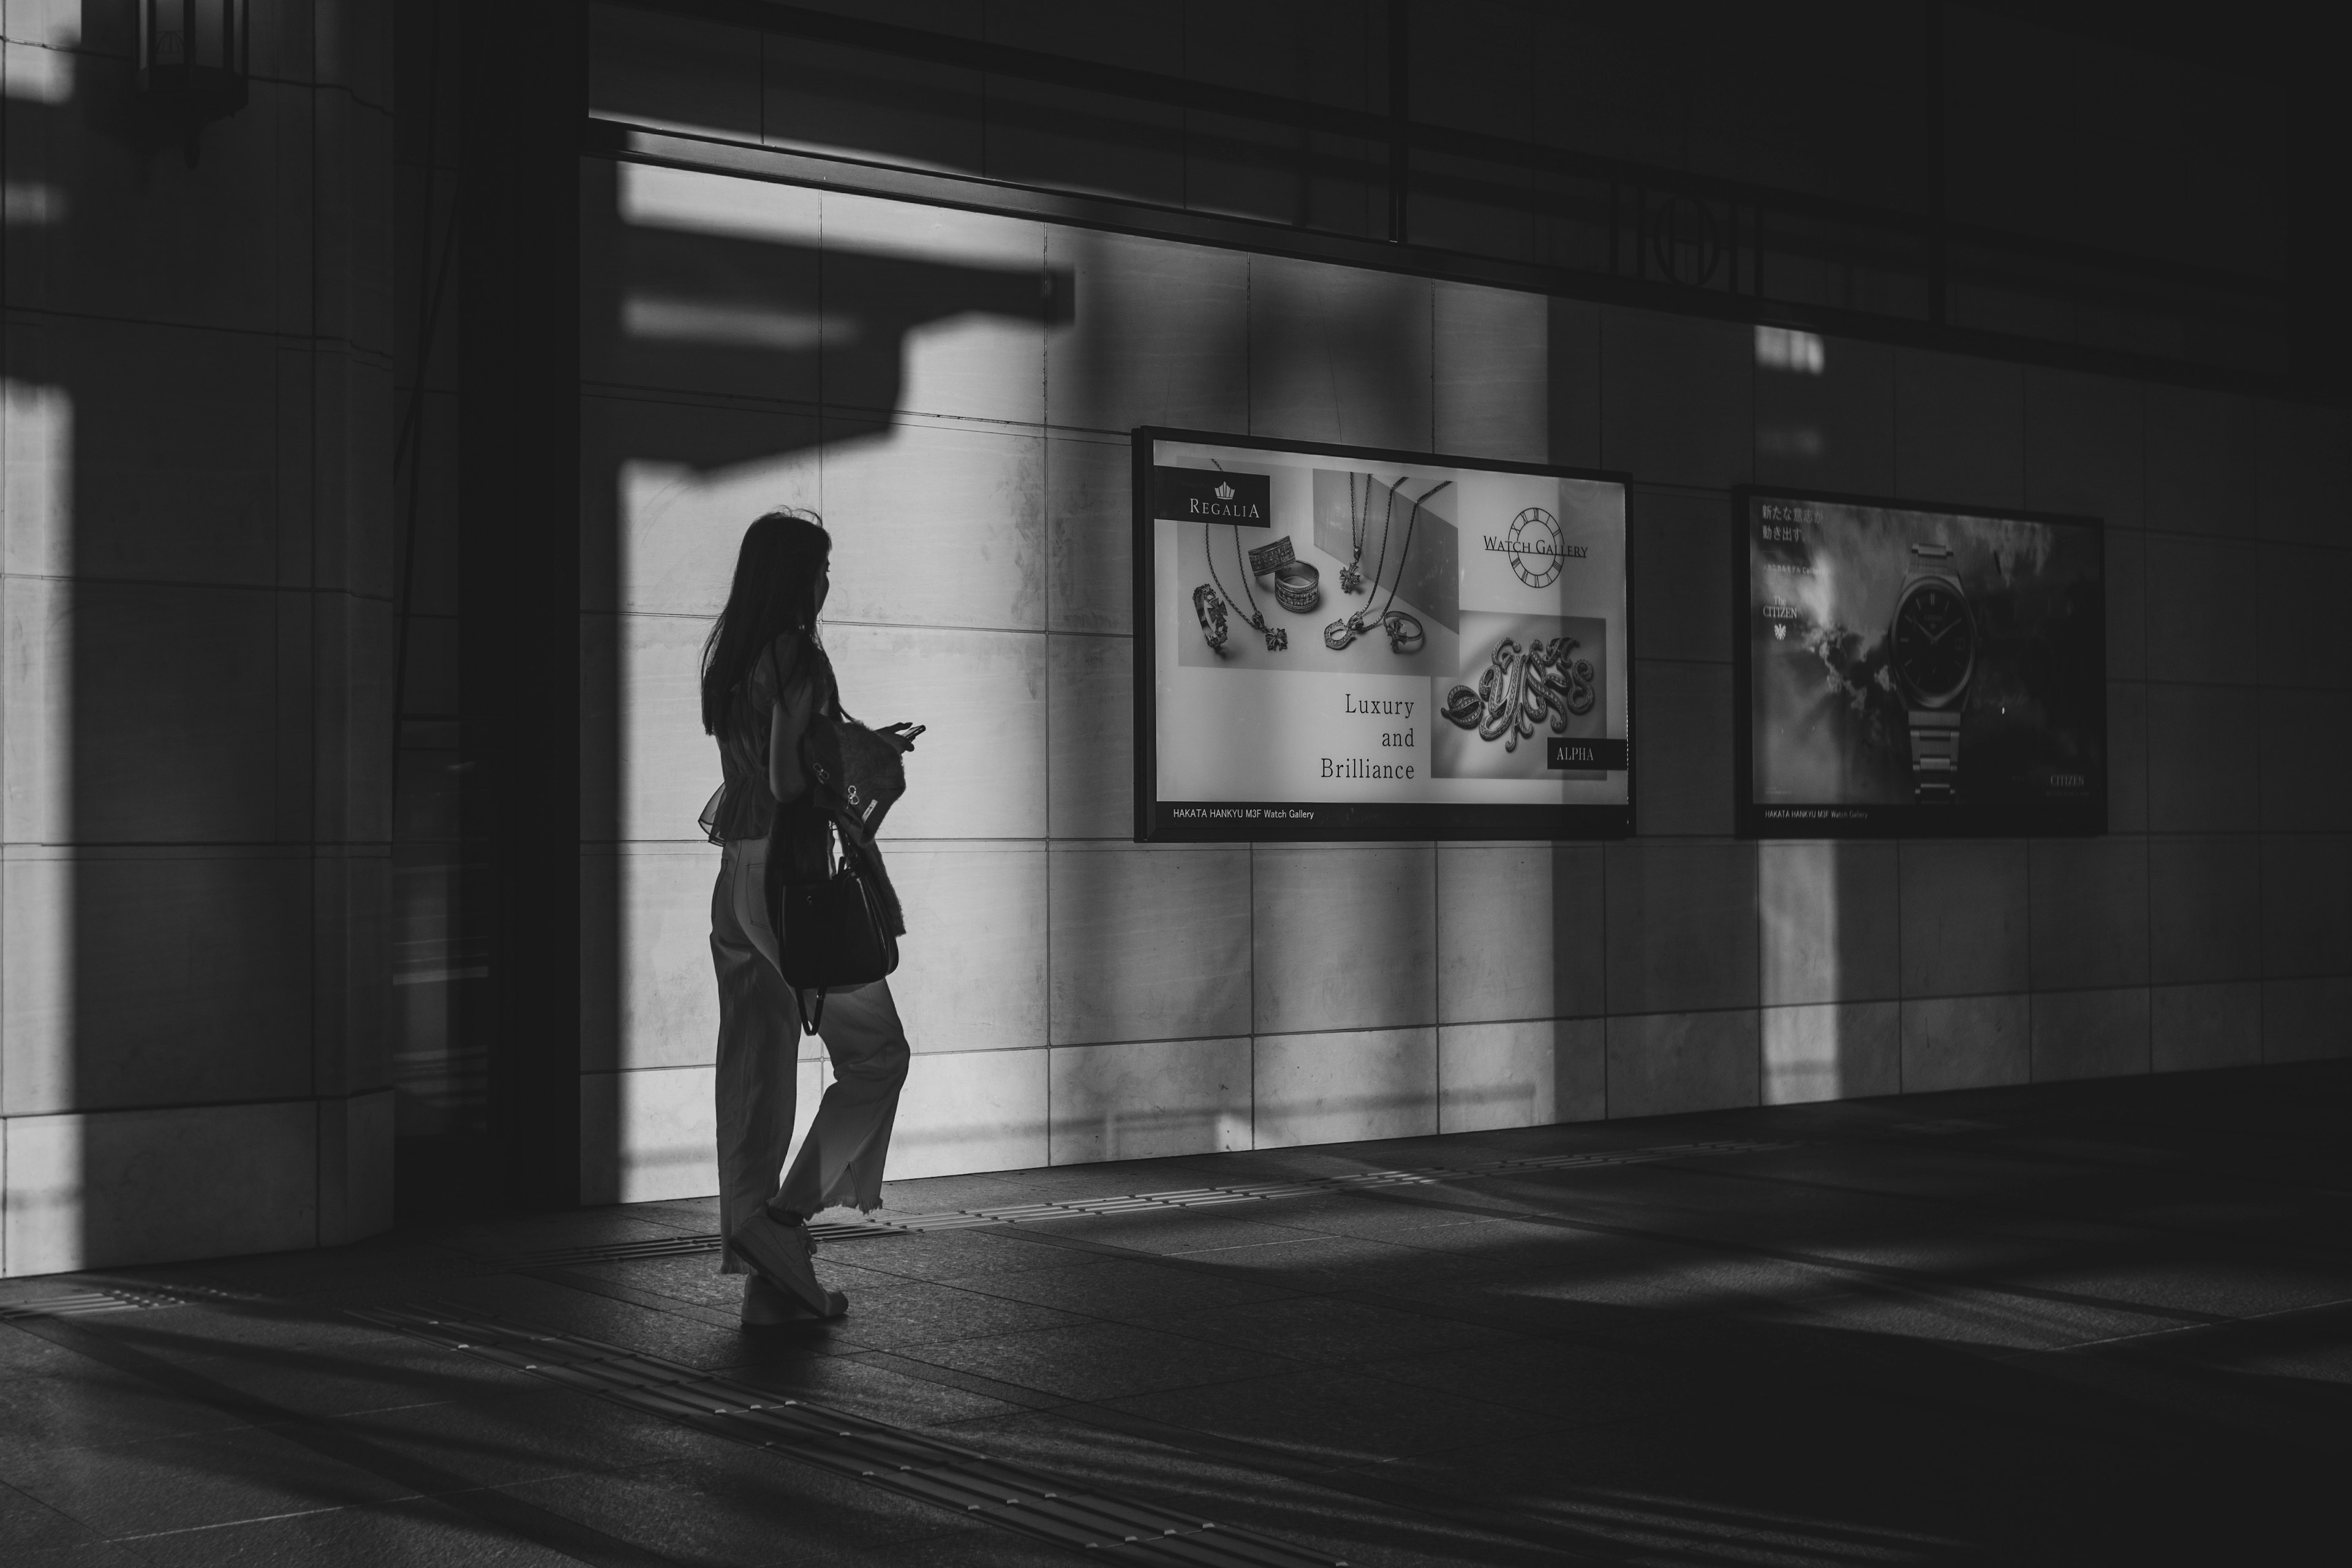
902,734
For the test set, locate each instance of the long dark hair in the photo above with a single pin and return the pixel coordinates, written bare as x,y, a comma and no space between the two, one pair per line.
774,593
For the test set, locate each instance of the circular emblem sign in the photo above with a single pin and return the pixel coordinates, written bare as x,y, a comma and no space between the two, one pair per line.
1535,547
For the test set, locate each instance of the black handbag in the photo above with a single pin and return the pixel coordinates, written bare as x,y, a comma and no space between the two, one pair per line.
843,931
838,933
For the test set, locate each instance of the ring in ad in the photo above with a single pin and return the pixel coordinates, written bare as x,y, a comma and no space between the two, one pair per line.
1402,640
1299,585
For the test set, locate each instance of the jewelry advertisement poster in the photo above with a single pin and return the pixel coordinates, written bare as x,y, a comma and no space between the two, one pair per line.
1347,643
1919,673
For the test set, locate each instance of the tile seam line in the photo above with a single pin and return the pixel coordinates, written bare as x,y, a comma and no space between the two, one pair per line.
143,1108
350,347
2179,1330
310,590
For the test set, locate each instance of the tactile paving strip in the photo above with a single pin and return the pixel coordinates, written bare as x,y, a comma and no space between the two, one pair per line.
1164,1203
118,1299
679,1246
910,1464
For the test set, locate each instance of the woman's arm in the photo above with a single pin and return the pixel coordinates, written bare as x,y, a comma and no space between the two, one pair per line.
790,721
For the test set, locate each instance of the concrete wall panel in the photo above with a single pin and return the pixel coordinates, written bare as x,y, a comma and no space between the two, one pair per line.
1831,427
1145,1099
2091,1034
1677,403
1965,917
1524,1074
1834,1050
1830,923
1343,937
1159,335
2084,447
971,974
1345,1085
1091,729
1959,431
2191,1028
1148,943
2089,915
1662,1063
1089,534
2200,462
978,1110
1966,1042
89,1191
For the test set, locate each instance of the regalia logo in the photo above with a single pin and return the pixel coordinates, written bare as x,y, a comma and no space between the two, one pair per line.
1208,495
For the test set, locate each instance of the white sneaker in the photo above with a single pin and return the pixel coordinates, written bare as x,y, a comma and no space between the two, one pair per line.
767,1306
781,1253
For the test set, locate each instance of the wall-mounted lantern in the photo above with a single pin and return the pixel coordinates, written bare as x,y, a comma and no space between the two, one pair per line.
193,58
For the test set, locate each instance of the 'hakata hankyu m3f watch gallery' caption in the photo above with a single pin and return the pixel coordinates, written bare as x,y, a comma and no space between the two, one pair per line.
1933,642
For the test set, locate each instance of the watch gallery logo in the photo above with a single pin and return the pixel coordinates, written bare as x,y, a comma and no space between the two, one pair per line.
1210,495
1535,547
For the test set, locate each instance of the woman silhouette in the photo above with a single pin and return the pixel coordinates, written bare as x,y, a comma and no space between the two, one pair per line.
765,678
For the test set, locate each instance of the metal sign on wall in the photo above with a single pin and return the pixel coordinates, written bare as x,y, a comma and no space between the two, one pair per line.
1345,642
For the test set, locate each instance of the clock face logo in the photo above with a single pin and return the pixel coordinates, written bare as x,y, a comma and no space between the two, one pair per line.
1534,547
1935,642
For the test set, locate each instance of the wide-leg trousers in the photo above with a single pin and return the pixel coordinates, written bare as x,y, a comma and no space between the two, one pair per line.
759,1057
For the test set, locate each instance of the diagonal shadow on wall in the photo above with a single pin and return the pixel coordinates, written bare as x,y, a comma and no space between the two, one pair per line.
711,353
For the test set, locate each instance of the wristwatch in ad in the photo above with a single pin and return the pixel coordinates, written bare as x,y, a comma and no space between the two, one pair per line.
1933,642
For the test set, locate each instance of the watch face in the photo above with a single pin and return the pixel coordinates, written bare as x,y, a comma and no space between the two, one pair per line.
1935,642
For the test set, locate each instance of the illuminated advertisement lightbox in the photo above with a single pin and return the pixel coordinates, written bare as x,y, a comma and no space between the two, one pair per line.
1917,670
1341,642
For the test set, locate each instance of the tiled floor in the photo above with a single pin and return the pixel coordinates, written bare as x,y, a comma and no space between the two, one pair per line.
2086,1324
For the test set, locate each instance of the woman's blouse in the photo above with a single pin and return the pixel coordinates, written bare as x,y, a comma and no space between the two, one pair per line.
745,807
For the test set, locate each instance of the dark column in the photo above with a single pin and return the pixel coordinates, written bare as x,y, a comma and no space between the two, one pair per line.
520,555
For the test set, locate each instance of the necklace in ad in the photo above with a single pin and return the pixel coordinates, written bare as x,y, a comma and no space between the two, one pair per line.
1406,634
1359,518
1276,638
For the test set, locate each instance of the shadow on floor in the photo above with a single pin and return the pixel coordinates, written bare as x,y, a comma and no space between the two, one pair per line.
2104,1323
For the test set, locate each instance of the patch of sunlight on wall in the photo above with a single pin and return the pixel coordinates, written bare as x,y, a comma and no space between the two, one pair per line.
39,74
42,1178
1804,1045
1785,348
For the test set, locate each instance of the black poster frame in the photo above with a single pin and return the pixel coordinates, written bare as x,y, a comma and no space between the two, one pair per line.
1158,821
1752,819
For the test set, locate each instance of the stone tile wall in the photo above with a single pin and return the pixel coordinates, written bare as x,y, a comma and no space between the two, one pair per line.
198,573
1073,996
